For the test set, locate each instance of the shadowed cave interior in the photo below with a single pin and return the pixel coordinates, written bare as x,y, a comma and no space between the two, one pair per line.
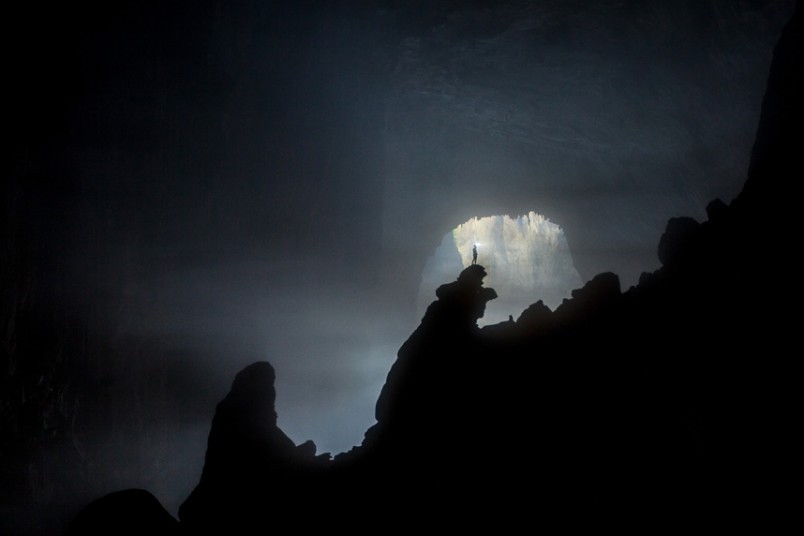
135,357
643,404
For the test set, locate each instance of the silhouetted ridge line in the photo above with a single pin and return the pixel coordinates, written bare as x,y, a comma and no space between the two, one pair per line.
667,400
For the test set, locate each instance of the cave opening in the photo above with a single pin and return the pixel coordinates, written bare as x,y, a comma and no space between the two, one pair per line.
526,256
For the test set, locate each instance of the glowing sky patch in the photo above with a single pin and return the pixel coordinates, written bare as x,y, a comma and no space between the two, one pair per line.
527,259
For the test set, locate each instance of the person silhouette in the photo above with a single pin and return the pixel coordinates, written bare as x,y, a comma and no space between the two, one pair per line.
474,253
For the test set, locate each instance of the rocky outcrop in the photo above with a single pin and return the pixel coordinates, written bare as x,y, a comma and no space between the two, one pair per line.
250,462
414,408
668,400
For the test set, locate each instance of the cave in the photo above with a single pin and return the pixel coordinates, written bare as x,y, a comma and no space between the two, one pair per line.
526,256
194,188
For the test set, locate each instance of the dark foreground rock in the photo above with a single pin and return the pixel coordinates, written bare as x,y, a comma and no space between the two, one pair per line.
128,512
649,407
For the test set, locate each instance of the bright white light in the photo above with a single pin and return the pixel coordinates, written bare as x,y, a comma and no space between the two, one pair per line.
527,259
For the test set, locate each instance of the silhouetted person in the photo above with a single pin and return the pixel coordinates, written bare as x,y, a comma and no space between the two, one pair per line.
250,462
474,254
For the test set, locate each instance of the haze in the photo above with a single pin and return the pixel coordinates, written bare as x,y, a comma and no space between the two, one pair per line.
206,185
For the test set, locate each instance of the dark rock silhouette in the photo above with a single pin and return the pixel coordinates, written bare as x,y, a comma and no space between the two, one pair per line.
414,403
667,400
127,512
249,462
776,156
535,315
675,241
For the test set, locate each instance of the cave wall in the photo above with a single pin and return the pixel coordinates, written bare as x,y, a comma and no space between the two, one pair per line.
607,118
146,137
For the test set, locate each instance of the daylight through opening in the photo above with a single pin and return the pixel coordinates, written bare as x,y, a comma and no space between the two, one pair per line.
527,259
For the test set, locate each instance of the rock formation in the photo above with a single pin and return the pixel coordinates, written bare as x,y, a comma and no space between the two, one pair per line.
129,512
668,400
250,462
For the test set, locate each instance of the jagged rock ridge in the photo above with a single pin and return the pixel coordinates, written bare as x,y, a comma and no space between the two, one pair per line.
667,400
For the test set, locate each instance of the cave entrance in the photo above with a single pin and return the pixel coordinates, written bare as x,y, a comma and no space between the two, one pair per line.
527,259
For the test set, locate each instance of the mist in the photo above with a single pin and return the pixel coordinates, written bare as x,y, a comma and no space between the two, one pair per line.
198,186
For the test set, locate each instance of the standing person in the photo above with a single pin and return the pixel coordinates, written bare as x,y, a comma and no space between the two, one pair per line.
474,253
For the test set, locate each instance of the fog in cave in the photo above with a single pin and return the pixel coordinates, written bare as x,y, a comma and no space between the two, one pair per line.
196,186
